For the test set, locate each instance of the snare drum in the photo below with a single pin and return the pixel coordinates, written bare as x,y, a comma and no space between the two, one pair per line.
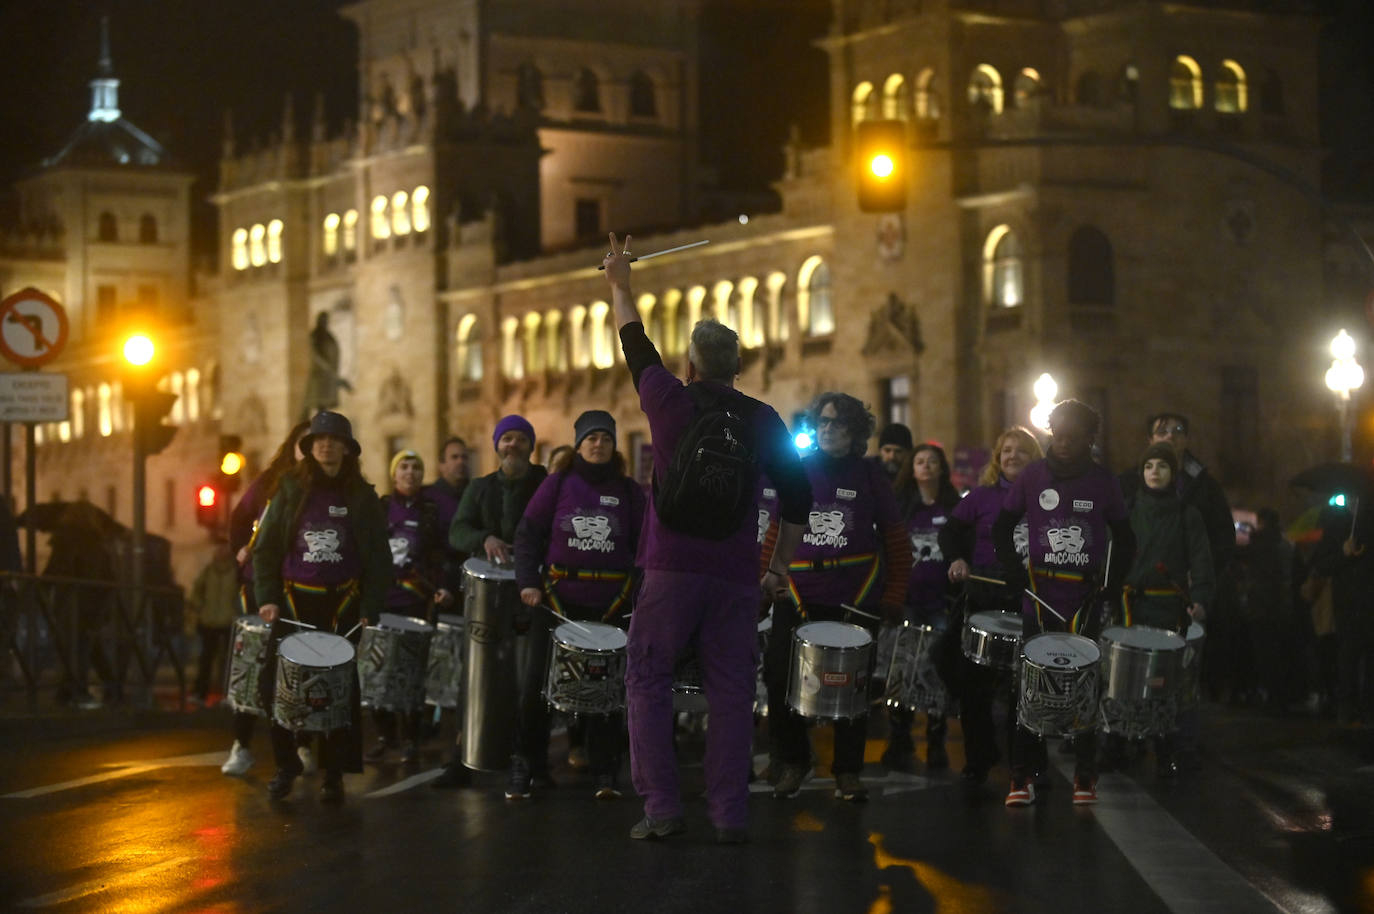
992,639
247,663
1058,694
1142,669
1190,677
444,673
912,682
586,669
689,694
828,679
393,658
315,673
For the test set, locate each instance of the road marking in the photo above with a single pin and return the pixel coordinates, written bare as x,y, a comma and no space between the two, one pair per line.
1186,875
122,770
100,885
890,784
415,780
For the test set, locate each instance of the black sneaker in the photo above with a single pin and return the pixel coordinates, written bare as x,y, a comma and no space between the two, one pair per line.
518,787
894,759
281,782
332,791
653,829
606,788
455,775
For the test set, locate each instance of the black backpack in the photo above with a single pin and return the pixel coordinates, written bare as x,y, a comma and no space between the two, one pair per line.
708,490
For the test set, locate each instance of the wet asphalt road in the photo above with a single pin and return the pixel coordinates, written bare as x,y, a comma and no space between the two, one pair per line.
128,812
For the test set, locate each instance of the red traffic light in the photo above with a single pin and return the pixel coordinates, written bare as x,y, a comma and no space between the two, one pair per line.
206,496
208,510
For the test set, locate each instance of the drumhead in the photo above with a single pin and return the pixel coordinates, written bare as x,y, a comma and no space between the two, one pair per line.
481,568
1061,650
317,649
591,636
403,623
448,622
1007,625
1144,637
1196,632
766,624
833,634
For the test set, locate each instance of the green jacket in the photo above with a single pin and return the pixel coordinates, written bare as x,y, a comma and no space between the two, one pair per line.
492,505
1170,534
276,532
214,597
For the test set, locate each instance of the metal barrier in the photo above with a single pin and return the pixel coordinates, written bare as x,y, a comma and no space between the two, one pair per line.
74,625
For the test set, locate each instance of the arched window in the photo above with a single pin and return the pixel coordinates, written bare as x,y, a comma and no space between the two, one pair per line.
777,316
529,87
927,99
176,386
602,335
1026,87
329,241
419,209
192,394
469,349
350,231
815,314
106,411
1128,84
555,353
381,226
257,247
696,297
753,311
579,345
274,229
1185,84
239,248
896,100
534,352
861,102
512,349
1003,285
1232,94
674,314
1088,90
1270,93
722,308
147,229
587,92
78,419
108,227
985,89
643,98
652,316
400,213
1092,278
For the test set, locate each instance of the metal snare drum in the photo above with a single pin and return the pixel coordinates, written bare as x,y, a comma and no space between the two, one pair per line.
912,682
444,672
586,668
247,664
393,658
992,639
1190,679
1142,669
828,679
315,673
1058,695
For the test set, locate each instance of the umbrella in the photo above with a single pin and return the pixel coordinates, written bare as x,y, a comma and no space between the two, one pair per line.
1327,478
52,515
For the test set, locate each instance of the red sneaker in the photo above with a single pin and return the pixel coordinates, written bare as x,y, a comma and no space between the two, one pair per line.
1084,792
1022,793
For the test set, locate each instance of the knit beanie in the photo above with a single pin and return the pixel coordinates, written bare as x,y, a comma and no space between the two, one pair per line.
593,420
898,434
403,455
512,423
1160,451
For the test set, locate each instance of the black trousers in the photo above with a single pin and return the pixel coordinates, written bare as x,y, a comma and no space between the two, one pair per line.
214,647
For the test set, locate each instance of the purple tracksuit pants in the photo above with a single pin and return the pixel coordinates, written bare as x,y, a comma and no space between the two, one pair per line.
674,607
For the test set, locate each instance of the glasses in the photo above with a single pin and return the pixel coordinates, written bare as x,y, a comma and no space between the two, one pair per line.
827,421
1171,430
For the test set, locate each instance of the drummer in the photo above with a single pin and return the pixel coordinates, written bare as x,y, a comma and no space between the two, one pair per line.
582,528
966,542
417,562
855,534
925,497
1171,581
1070,503
321,558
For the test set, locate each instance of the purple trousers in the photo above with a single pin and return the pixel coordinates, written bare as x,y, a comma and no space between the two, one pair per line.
673,608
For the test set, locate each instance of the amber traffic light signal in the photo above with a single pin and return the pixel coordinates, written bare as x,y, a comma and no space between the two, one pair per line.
231,462
882,158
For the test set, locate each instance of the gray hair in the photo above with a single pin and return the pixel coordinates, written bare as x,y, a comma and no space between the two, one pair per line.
714,350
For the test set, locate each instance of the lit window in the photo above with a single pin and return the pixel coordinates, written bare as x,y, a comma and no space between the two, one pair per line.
581,351
534,353
331,235
239,247
896,104
1185,84
720,304
257,251
927,100
753,313
652,317
469,349
695,297
777,318
78,419
1025,87
673,315
555,354
274,241
176,387
1231,89
119,408
350,230
814,310
419,209
192,394
106,412
602,336
512,352
1002,277
985,89
64,431
860,102
400,213
381,228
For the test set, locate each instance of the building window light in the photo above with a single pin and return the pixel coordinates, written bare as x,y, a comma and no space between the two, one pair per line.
330,242
257,251
419,209
400,213
381,227
274,230
239,248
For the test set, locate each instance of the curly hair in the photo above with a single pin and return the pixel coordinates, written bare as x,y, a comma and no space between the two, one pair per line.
993,471
849,411
1077,409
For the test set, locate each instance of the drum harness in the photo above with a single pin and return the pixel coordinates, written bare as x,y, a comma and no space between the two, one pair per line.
553,573
844,561
346,590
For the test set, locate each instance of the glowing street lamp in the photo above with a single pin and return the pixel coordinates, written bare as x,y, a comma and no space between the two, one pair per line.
1344,376
1045,389
138,350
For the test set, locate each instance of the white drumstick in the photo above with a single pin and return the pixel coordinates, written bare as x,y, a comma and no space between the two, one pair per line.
680,247
848,608
581,628
1030,594
354,629
297,624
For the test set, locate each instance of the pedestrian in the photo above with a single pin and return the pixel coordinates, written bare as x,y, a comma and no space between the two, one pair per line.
856,552
1070,504
894,449
1345,555
446,492
966,542
244,521
212,605
321,558
575,548
697,586
484,526
1269,611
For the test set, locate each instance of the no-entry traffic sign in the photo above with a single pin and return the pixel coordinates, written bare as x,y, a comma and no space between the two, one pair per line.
33,328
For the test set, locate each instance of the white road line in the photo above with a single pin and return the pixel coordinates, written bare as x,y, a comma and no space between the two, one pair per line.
1185,874
415,780
83,889
124,770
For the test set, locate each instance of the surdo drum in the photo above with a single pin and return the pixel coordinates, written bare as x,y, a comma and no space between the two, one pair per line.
393,659
1058,695
315,673
586,669
1142,670
992,639
444,673
828,679
247,663
491,605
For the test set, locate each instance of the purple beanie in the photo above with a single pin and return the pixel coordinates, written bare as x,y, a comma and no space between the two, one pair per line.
512,423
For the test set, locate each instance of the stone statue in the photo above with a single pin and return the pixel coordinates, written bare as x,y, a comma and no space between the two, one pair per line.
323,383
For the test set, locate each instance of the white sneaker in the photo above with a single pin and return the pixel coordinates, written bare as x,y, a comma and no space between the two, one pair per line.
307,758
239,761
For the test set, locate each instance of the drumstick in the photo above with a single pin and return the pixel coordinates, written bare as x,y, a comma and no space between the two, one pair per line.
979,577
1032,595
581,628
298,624
354,629
848,608
680,247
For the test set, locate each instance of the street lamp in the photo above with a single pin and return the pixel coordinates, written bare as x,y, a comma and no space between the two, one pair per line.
1045,389
1344,375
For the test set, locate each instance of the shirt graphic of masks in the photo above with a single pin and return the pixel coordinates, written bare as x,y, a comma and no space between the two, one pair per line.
322,546
925,547
591,532
1066,539
400,551
764,517
1020,538
827,529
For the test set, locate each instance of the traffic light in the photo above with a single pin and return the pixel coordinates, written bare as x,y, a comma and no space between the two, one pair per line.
231,462
150,408
208,505
881,159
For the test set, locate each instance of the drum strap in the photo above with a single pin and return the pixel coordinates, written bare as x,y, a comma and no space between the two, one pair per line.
555,573
1130,592
347,592
844,561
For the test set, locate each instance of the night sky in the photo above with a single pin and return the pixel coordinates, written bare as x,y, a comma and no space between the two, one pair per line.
181,63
